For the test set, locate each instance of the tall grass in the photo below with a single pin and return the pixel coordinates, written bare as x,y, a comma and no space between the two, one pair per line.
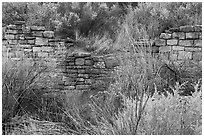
20,79
173,115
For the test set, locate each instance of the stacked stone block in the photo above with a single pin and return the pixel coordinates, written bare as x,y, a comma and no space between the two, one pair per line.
84,71
181,43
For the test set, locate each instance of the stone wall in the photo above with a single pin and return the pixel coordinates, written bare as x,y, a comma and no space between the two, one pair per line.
178,44
82,70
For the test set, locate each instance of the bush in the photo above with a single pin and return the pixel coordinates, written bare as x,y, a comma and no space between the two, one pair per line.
20,87
173,115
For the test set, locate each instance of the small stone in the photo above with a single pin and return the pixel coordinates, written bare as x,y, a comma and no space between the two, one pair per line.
198,43
79,61
111,62
48,34
165,36
88,62
40,28
37,33
82,87
31,42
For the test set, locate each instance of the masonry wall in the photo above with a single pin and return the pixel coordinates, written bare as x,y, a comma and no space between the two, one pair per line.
179,44
81,70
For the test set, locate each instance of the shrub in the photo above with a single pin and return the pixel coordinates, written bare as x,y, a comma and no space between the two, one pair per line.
20,87
173,115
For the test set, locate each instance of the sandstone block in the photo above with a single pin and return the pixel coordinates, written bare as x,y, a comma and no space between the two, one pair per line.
197,56
179,35
12,27
198,28
82,87
172,42
32,42
48,34
185,43
79,61
165,49
80,79
173,29
10,36
88,62
186,28
69,87
193,49
111,62
71,71
81,71
184,55
37,33
9,31
37,28
22,41
26,46
83,75
12,42
41,41
19,22
198,43
177,48
36,49
165,36
192,35
160,42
